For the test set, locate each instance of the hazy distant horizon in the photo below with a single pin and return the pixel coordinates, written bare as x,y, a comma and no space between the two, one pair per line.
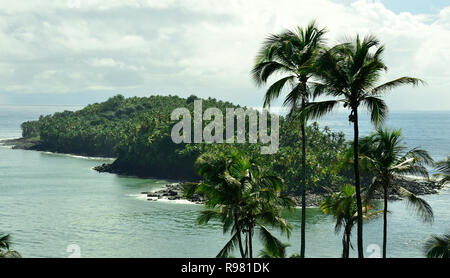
55,53
71,101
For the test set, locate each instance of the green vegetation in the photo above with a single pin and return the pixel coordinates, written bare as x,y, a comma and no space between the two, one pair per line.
142,144
443,167
135,130
292,52
5,251
245,190
385,157
349,73
438,246
342,206
245,197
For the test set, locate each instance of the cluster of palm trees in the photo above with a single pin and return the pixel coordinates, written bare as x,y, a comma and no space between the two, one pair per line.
347,73
245,197
384,157
342,206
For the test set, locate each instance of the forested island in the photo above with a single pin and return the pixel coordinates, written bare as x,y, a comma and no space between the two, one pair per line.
136,132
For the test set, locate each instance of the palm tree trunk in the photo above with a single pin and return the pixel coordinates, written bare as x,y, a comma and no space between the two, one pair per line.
385,220
347,249
250,246
246,246
344,245
238,231
357,183
303,228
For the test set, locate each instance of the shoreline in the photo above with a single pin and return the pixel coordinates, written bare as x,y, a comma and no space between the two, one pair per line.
172,192
34,145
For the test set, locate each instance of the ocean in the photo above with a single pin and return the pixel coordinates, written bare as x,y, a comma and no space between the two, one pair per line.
55,205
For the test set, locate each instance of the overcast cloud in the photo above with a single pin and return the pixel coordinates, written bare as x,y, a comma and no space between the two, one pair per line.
57,51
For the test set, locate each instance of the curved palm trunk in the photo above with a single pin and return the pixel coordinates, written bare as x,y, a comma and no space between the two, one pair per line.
385,219
358,184
303,228
238,231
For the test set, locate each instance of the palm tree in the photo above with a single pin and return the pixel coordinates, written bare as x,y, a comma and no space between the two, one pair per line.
443,167
342,205
438,247
387,159
245,197
292,54
349,72
5,251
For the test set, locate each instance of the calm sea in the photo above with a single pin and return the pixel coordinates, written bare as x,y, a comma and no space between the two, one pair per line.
52,204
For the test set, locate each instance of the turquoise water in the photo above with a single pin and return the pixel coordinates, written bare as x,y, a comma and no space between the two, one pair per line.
50,201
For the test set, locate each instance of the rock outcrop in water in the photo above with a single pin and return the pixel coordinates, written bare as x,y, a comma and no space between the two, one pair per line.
22,143
173,192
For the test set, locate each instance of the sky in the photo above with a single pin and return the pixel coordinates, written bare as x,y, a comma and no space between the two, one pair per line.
84,51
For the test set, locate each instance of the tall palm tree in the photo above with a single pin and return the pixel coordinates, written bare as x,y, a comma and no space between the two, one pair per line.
291,54
245,197
5,251
387,159
443,167
349,72
342,205
438,246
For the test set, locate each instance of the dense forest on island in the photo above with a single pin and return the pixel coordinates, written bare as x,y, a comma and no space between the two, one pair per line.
136,131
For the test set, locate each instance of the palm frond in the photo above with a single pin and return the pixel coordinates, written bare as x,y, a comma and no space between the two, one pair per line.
267,253
423,209
271,243
315,110
377,108
229,247
4,241
397,82
275,89
438,246
206,215
262,71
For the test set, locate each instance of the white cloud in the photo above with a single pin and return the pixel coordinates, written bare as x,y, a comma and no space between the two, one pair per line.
205,47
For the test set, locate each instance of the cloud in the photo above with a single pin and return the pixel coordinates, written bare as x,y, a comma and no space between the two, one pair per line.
203,47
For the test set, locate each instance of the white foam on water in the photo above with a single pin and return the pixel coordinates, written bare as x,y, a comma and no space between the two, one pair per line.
138,196
185,202
143,197
7,139
80,156
5,146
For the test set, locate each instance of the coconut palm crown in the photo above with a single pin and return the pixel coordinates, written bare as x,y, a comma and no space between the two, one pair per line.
388,159
291,55
349,73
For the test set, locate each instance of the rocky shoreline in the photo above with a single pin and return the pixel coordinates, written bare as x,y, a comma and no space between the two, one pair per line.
21,143
173,192
36,145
